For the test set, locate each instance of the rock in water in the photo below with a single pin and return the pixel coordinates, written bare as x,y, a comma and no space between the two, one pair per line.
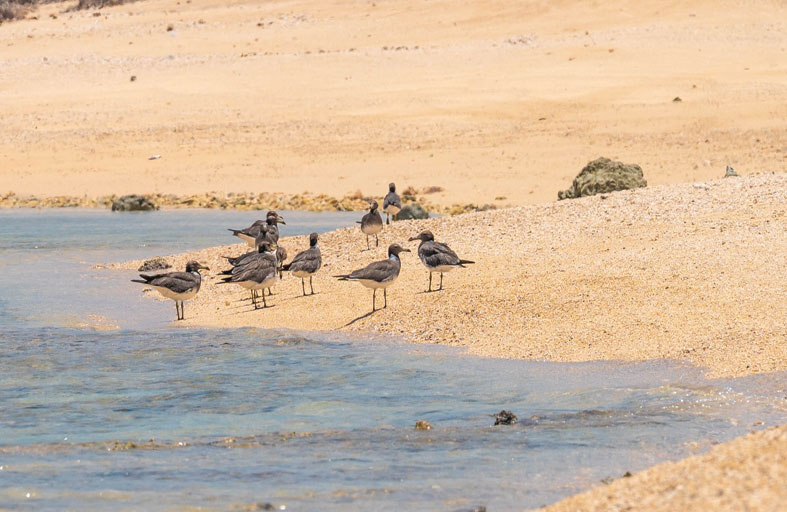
603,175
133,203
423,425
152,264
412,211
505,418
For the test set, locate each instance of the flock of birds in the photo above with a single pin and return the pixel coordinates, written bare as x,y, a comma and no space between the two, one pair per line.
259,270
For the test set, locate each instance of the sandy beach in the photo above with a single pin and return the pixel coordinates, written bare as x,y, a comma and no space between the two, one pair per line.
684,272
497,103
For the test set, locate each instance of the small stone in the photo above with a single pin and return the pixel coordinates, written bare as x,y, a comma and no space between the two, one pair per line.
730,172
412,211
676,99
505,418
423,425
157,263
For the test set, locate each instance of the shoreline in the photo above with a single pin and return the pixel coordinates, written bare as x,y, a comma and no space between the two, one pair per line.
687,267
242,202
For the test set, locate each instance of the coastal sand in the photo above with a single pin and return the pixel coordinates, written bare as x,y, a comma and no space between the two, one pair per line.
693,272
499,102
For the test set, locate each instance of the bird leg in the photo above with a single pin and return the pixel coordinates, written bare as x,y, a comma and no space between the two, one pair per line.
441,280
182,314
253,299
264,304
374,293
376,241
303,287
385,297
177,311
311,285
367,243
430,281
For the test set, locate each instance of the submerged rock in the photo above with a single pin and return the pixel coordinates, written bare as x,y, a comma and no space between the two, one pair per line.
133,203
604,175
505,418
412,211
157,263
423,425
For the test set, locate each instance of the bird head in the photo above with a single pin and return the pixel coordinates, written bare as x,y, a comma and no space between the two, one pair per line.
424,236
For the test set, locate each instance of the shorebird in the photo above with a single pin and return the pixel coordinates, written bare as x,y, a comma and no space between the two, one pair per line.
437,257
391,204
306,263
379,274
256,273
252,233
178,286
371,224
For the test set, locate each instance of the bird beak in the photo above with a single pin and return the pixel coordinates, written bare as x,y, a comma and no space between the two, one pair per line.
280,219
413,238
406,250
203,267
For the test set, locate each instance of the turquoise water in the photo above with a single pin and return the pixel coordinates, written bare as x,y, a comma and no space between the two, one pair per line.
150,417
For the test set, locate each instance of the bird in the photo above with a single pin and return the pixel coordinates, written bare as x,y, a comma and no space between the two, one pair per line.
178,286
306,263
437,256
392,205
251,233
256,272
281,256
371,224
378,274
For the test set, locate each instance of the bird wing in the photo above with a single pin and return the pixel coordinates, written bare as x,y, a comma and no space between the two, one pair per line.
178,282
392,199
435,254
379,271
257,268
309,260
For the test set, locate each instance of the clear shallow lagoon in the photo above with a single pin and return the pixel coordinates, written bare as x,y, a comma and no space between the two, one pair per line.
152,417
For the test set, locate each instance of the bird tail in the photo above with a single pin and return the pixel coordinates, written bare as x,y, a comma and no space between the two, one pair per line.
235,231
226,280
342,277
466,262
286,266
139,281
358,222
225,272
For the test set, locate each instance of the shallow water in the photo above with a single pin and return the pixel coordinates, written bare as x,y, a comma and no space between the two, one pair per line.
161,418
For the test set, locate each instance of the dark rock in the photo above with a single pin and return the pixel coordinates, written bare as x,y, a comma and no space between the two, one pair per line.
133,203
412,211
423,425
158,263
730,172
676,99
604,175
505,418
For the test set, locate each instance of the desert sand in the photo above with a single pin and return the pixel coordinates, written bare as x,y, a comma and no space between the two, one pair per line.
498,102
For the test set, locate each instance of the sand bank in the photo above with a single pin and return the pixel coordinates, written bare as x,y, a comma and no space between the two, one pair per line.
691,272
499,102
